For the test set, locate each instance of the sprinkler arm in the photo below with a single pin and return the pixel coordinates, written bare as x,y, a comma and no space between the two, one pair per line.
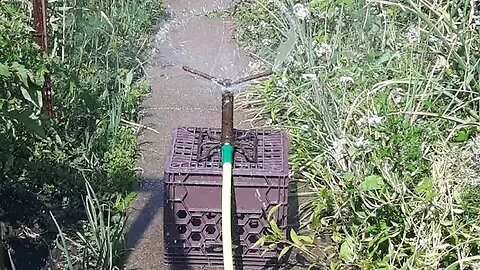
226,82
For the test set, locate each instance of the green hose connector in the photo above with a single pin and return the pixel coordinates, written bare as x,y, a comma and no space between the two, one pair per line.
227,153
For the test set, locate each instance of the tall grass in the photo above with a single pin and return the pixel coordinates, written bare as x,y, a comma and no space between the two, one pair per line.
380,99
102,244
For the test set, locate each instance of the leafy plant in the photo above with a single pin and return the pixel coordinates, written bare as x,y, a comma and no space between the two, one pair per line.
379,99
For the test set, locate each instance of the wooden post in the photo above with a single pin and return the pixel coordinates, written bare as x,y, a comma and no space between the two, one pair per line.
41,37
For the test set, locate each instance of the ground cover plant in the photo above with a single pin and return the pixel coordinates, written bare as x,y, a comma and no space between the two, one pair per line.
97,49
380,99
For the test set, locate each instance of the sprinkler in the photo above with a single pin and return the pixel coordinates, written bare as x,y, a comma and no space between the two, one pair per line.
228,144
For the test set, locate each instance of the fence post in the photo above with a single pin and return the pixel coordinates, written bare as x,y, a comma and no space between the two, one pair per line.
41,37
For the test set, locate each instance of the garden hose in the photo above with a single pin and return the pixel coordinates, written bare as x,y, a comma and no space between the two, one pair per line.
227,161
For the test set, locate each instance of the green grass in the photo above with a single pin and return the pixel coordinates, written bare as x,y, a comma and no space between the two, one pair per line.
381,106
96,57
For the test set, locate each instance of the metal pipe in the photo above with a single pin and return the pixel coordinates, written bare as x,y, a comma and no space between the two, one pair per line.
227,118
41,38
40,24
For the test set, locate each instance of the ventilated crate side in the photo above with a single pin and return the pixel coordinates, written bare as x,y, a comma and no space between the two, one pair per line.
272,153
193,199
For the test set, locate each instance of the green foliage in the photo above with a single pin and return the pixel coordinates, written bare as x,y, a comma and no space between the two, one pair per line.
379,100
101,244
97,49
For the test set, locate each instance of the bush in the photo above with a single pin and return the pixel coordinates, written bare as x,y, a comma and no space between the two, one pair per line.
95,62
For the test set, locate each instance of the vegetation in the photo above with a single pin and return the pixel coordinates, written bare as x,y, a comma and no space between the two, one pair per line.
97,49
380,99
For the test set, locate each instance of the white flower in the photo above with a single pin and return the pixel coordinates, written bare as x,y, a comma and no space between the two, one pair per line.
266,42
413,34
476,23
283,82
301,12
475,266
375,120
300,49
433,39
269,121
263,24
475,182
304,127
361,142
372,120
251,28
346,79
323,49
397,95
441,63
309,77
339,145
293,61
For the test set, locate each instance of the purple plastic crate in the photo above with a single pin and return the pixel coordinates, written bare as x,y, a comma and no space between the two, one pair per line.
193,199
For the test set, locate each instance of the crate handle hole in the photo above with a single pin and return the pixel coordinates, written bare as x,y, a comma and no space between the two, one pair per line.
181,214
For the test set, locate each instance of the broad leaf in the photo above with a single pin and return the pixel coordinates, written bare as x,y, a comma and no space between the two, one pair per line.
4,70
372,182
347,250
22,73
31,124
26,95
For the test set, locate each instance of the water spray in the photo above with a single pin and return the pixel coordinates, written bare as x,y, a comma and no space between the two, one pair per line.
228,144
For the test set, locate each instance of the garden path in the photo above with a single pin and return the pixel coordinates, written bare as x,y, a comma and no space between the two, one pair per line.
188,37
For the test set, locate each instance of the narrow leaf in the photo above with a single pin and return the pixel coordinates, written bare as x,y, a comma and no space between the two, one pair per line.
272,211
285,48
260,242
295,238
306,239
284,251
275,228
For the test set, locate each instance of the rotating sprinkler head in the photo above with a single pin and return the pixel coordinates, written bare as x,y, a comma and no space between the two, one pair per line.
248,140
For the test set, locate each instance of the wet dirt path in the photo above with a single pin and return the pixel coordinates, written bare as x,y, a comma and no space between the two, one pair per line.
177,99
